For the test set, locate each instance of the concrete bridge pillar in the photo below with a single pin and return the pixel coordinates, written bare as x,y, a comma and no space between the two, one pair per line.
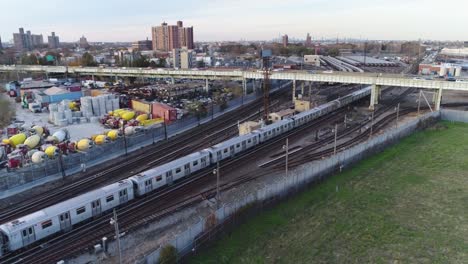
244,86
437,99
294,91
302,88
375,92
172,80
254,87
310,89
207,85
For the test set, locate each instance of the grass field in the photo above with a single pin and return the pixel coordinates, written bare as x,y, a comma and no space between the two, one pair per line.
408,204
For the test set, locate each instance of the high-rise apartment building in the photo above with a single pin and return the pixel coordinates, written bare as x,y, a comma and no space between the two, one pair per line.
308,42
285,41
168,37
182,58
83,43
27,41
54,42
142,45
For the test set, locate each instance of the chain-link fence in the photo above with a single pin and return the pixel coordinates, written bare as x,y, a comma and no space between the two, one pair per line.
231,214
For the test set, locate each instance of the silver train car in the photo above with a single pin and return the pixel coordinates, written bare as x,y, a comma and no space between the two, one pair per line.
166,174
62,216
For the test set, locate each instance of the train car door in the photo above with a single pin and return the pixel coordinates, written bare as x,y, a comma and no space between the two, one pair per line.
187,169
65,221
232,151
148,185
96,207
123,196
28,236
169,179
255,140
244,145
203,162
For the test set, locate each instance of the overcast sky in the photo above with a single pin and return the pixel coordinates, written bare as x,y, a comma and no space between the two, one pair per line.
124,20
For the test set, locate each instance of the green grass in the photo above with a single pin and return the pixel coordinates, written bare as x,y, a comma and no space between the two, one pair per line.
408,204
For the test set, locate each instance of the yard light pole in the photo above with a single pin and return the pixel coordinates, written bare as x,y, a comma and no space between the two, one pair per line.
115,223
397,114
336,136
122,123
286,148
216,172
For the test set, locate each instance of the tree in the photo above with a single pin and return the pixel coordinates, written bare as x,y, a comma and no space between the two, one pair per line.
29,60
200,64
141,62
162,62
334,52
7,112
88,60
168,255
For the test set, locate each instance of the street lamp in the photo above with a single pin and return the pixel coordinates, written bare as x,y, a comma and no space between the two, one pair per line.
216,172
115,223
286,148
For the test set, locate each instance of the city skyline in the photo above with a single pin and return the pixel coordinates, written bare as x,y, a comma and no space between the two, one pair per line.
259,20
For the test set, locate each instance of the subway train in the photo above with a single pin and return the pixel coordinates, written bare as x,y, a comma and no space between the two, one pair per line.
63,216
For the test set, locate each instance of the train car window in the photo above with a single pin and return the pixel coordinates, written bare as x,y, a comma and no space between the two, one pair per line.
61,218
109,198
178,170
226,150
25,233
249,141
125,191
203,160
195,163
46,224
159,178
187,166
238,146
80,210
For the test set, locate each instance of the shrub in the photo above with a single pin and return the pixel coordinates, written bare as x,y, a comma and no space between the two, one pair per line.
168,255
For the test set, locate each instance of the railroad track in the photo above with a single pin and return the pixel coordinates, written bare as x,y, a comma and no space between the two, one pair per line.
185,143
147,207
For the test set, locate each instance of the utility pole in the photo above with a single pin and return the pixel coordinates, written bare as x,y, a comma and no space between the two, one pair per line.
336,136
115,223
419,101
372,124
122,123
165,126
397,114
212,109
286,148
216,172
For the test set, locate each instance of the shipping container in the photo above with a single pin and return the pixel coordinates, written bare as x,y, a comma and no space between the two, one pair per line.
76,88
141,107
56,98
164,111
42,98
95,92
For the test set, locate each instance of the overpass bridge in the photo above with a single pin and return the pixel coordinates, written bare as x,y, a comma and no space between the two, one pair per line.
377,80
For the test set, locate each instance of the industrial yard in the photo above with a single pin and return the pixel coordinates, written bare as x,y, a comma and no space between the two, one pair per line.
403,205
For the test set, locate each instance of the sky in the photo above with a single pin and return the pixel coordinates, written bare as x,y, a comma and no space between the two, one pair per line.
125,20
